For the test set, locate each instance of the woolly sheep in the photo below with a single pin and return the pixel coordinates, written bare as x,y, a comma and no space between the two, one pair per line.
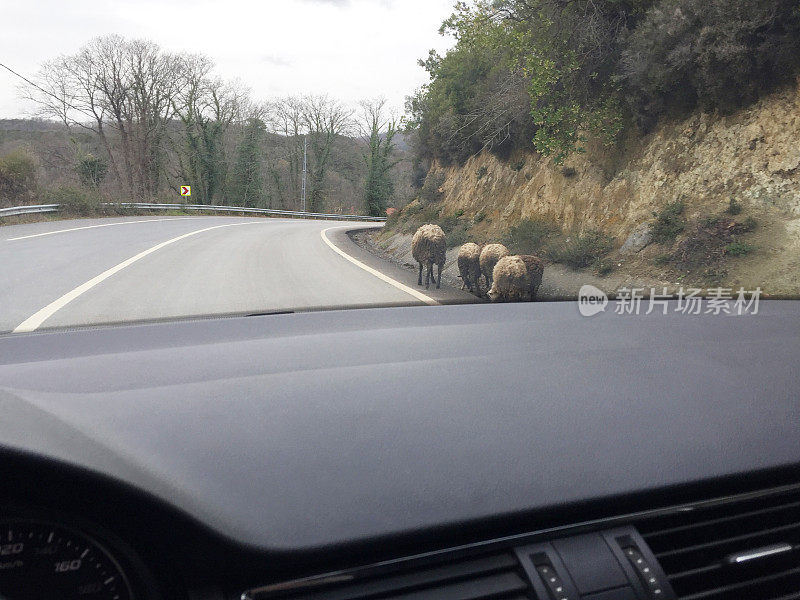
516,278
428,247
490,254
469,266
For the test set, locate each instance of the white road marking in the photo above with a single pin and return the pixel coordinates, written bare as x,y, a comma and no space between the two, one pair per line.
417,294
34,321
25,237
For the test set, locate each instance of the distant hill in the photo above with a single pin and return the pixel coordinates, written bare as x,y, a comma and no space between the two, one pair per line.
56,150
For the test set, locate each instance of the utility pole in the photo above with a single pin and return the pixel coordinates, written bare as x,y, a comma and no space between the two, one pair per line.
305,168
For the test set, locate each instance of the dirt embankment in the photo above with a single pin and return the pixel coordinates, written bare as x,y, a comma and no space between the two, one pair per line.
704,162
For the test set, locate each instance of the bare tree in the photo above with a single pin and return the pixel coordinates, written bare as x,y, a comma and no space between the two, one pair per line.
325,120
286,119
123,91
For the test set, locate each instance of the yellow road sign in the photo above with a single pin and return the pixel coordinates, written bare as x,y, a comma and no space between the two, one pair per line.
186,190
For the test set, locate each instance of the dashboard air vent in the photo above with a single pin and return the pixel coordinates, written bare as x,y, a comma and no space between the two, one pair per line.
746,549
493,577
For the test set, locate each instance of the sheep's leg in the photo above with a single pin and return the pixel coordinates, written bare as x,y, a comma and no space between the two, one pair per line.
439,280
419,282
428,274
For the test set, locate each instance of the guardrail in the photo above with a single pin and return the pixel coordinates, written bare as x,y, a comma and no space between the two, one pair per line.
28,210
44,208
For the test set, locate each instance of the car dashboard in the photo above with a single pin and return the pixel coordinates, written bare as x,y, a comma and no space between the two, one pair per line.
455,452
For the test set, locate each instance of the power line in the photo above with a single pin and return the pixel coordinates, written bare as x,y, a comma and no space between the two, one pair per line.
44,91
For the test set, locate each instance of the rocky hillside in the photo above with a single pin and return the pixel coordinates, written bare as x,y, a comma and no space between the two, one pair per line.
732,185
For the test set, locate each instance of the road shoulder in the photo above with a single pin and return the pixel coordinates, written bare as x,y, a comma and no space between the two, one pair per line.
447,294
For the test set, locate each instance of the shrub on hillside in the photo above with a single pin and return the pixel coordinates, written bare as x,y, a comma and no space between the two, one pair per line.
75,201
529,236
718,54
431,189
669,223
411,208
392,220
704,249
583,250
457,236
91,170
17,176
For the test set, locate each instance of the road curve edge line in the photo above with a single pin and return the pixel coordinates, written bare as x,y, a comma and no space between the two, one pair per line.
36,235
33,322
400,286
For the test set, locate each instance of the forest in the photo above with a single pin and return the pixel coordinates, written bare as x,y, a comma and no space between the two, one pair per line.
125,120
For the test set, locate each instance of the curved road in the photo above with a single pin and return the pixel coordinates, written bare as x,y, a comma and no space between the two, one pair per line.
65,273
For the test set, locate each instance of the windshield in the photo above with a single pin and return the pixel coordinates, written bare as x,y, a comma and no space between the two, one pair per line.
175,159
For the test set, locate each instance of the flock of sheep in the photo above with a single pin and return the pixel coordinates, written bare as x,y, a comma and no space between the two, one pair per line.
509,278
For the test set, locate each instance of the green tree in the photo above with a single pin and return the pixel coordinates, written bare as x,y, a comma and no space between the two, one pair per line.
524,74
379,132
208,108
247,187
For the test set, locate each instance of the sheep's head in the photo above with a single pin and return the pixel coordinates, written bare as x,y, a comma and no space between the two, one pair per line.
493,293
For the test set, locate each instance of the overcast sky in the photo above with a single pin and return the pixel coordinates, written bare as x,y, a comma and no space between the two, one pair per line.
350,49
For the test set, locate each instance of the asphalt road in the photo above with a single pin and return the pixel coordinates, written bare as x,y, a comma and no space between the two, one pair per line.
67,273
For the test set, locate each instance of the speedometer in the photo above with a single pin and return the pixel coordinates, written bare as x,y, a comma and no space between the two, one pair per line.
40,561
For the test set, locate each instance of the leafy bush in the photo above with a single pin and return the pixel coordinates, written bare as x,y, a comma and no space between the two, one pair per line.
392,220
529,236
412,208
76,201
448,223
720,54
669,223
662,259
584,250
707,244
734,206
481,172
523,74
430,192
17,176
541,74
479,217
91,170
748,225
457,236
739,248
604,266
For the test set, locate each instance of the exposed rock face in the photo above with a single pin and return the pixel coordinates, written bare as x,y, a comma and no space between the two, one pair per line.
753,156
704,160
640,237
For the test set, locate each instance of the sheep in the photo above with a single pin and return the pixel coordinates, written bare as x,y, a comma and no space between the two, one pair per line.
428,247
516,278
490,254
469,266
